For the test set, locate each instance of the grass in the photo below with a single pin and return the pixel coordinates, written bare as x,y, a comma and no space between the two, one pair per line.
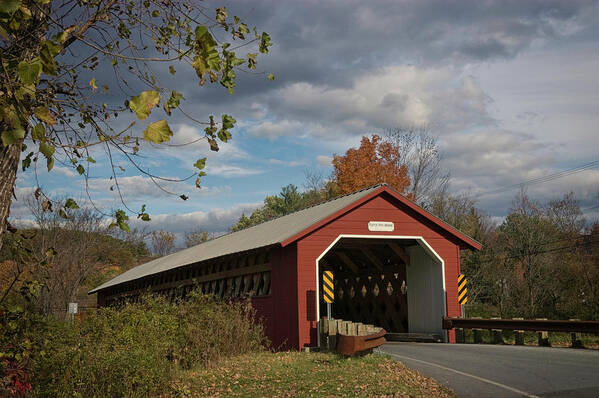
297,374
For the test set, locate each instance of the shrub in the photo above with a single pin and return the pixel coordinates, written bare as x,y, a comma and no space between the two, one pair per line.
135,350
212,329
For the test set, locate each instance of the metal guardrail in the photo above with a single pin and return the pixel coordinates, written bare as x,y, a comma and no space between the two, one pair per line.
537,325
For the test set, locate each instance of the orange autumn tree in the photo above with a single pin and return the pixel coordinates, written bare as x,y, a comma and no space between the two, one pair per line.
374,162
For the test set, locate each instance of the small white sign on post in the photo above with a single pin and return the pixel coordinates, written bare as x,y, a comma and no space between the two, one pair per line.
72,308
381,226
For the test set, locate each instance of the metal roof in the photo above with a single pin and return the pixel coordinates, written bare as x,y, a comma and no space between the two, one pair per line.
265,234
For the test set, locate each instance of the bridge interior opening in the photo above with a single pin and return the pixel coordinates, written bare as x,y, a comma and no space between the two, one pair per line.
396,284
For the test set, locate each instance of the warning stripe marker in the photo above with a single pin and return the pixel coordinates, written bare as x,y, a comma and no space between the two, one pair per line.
462,289
328,289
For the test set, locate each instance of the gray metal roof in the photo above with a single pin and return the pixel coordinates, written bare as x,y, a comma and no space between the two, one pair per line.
265,234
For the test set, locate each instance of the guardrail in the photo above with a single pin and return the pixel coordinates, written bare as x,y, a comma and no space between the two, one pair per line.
541,326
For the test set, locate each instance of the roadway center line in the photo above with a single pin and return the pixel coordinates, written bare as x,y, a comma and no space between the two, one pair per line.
524,393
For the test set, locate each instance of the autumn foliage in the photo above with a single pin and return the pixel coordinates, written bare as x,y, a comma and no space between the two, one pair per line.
375,161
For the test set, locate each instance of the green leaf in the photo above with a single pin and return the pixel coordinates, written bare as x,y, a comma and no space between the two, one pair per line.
26,162
29,72
48,51
80,169
62,36
145,217
173,101
47,150
39,132
221,15
158,132
156,13
62,213
9,137
172,70
252,60
50,163
44,114
9,6
207,59
213,144
200,164
264,43
71,204
91,160
120,221
228,122
143,103
271,77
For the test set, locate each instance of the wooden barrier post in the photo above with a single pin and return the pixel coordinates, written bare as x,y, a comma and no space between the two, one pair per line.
543,337
519,334
362,330
352,329
576,343
460,336
477,333
497,336
333,334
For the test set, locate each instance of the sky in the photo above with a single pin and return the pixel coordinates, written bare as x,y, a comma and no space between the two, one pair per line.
510,89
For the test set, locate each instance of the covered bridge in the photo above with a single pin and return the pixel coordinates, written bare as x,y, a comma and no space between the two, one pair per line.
395,265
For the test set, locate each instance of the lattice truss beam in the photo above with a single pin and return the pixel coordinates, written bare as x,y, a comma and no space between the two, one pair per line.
237,276
370,281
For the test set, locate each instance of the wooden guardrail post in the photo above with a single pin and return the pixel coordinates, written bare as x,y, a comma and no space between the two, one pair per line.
333,333
477,333
543,337
460,336
519,334
352,329
324,331
497,335
576,343
362,329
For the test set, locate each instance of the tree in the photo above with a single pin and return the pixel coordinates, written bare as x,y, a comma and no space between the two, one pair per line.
193,238
54,92
375,161
57,257
419,150
163,242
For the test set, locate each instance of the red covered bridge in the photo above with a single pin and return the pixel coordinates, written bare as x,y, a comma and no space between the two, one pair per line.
395,266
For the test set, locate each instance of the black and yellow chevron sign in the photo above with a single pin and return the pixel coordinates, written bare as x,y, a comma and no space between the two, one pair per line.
462,290
328,289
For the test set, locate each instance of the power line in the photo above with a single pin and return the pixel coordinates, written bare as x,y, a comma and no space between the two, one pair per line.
542,179
535,253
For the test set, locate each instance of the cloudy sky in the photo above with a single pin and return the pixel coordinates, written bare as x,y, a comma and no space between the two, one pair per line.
509,87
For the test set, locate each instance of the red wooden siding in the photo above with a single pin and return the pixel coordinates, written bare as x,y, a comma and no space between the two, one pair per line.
380,208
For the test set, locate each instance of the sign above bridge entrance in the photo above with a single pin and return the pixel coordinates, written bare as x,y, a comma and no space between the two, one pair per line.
381,226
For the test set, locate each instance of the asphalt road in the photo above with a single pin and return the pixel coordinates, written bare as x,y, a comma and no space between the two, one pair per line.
474,370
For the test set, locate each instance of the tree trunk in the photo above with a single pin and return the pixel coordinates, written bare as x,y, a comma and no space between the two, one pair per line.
9,164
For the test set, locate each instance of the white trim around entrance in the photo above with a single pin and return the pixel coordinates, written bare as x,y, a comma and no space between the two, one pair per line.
421,241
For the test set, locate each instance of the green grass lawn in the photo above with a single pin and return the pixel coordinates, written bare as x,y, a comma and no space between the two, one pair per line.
297,374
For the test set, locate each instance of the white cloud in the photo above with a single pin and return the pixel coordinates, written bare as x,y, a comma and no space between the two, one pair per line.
65,171
290,163
217,220
324,160
380,98
228,171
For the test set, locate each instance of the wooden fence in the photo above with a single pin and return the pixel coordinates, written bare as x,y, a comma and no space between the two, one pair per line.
518,325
